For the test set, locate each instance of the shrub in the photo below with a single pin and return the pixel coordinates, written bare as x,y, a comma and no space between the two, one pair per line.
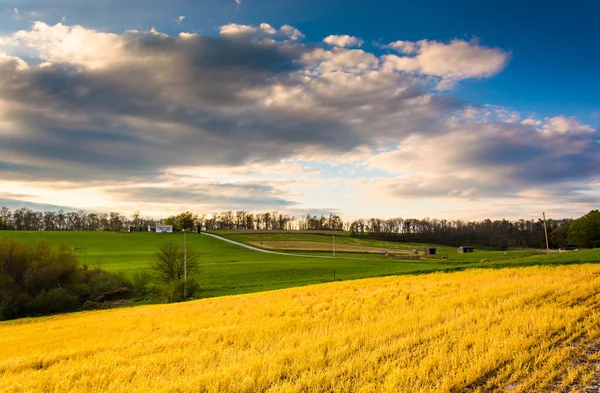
173,290
140,282
52,301
39,279
101,282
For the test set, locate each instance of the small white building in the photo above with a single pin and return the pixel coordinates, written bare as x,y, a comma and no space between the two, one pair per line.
159,228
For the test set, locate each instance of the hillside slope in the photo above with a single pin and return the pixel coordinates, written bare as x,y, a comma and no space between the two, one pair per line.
482,330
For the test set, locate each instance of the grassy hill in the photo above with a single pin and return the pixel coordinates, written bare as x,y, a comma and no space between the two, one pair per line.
322,243
513,330
227,269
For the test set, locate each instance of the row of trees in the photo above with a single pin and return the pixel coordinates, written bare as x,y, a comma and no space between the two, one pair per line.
495,233
270,221
30,220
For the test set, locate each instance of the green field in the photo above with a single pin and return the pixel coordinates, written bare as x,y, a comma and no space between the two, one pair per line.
255,238
227,269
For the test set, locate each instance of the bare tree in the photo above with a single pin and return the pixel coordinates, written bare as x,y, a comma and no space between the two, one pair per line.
168,262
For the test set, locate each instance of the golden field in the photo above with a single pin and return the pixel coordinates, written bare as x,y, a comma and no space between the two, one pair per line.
485,330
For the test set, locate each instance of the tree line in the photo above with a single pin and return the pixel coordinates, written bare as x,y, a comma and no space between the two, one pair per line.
30,220
242,220
500,234
25,219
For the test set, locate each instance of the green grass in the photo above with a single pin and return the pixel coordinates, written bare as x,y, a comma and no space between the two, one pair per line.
254,238
227,269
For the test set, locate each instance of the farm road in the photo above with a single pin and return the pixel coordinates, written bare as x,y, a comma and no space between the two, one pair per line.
276,252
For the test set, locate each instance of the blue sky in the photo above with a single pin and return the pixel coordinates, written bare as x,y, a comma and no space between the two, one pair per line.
516,81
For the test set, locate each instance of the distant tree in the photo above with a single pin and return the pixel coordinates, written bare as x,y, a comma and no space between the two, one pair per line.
585,231
559,237
135,219
186,221
168,264
172,220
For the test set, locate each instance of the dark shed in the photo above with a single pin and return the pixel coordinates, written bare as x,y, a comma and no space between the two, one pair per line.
430,251
463,249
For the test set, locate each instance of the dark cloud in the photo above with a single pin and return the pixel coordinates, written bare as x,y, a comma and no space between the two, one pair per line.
236,196
198,100
18,204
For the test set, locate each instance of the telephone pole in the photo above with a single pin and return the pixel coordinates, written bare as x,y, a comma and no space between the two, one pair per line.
184,264
334,244
546,233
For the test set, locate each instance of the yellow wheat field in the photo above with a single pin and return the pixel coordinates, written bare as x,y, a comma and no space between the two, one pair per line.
511,329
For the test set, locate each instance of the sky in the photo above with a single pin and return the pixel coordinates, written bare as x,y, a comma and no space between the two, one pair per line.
457,110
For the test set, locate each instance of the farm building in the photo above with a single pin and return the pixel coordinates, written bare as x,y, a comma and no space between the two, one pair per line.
164,228
160,228
430,251
464,249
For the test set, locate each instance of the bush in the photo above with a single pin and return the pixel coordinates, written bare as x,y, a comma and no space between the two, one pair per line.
101,282
12,305
140,282
173,290
39,279
52,301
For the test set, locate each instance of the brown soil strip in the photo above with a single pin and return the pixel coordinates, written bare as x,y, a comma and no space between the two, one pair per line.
321,246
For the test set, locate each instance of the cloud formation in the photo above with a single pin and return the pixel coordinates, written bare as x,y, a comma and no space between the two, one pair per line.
451,62
343,41
82,106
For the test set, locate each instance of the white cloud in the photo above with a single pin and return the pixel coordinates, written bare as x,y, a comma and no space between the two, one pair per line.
16,13
531,122
339,59
291,32
180,19
267,28
238,2
343,41
451,62
237,30
67,44
563,125
264,32
404,47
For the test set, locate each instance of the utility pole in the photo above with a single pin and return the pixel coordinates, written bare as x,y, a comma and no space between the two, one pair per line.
334,245
184,264
546,233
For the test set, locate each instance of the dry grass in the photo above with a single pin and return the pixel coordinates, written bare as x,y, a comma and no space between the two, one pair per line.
470,331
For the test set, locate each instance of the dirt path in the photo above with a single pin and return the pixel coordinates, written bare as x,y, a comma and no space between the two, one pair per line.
589,357
279,253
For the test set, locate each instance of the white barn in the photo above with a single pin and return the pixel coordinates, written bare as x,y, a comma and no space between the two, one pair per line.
163,228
